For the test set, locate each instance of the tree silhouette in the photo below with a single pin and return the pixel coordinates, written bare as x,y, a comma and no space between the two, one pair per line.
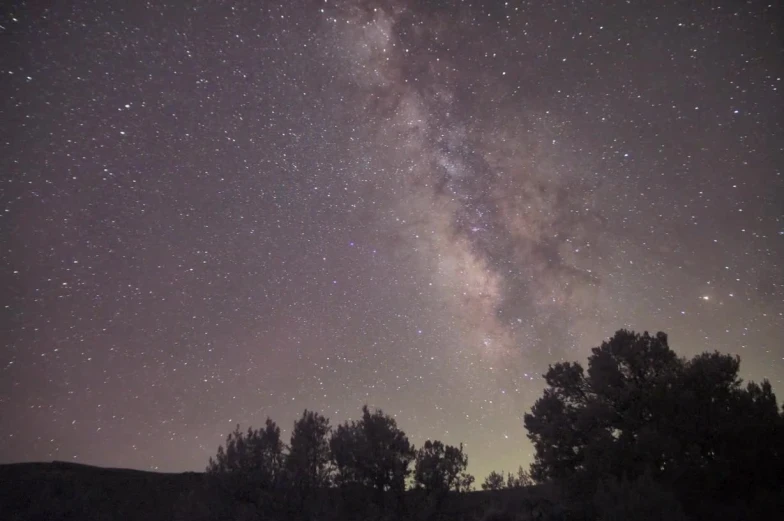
249,468
641,409
374,452
438,467
520,480
465,482
308,461
494,481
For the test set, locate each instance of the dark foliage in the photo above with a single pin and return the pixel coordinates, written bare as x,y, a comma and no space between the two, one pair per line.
439,467
494,481
465,482
520,480
250,467
688,425
373,452
308,461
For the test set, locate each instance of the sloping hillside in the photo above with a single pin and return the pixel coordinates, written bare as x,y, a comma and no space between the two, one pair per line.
68,491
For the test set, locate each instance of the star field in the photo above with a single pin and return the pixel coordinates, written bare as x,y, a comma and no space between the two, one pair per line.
215,212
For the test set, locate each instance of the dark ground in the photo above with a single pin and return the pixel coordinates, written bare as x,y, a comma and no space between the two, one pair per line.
60,491
75,492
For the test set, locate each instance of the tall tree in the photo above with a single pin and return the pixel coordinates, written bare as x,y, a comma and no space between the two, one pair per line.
308,460
641,409
249,467
374,452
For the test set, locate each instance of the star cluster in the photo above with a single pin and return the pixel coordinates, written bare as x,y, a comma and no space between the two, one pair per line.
215,212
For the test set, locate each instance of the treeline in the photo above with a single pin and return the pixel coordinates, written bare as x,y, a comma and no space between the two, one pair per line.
643,434
370,458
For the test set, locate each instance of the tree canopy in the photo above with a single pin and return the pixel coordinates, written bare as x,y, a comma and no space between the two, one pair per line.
641,409
372,451
521,479
494,481
251,463
439,467
308,460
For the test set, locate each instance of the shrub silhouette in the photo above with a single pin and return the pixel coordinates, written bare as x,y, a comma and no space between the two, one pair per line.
520,480
494,481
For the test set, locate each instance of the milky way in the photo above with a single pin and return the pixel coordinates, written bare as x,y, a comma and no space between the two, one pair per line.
216,212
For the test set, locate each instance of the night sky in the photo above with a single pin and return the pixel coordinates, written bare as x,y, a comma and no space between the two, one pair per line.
215,211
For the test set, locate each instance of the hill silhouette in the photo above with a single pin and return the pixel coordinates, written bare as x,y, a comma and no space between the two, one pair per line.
72,491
